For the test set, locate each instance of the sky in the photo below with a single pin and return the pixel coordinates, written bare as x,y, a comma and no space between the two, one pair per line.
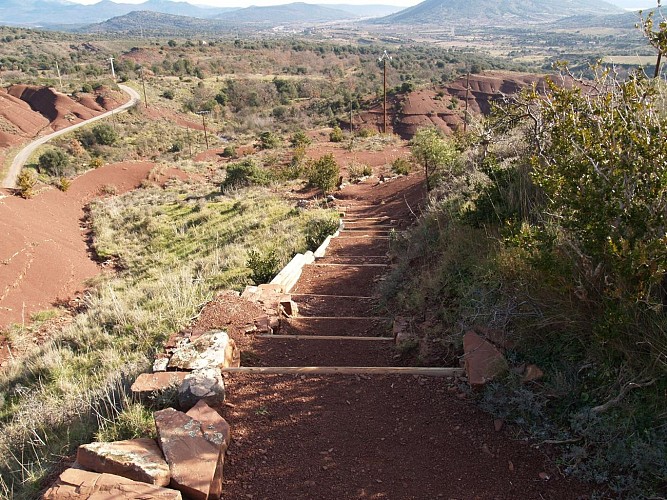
627,4
247,3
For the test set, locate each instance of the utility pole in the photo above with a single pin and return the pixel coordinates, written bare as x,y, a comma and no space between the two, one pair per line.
59,77
383,60
465,118
113,70
143,84
203,120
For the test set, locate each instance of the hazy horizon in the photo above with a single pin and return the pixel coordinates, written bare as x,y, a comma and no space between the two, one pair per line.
625,4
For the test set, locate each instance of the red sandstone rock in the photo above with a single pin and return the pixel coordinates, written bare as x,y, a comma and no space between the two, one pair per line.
82,485
136,459
194,462
483,362
148,383
531,374
215,428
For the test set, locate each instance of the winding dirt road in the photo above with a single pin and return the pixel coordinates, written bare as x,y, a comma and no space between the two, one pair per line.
15,169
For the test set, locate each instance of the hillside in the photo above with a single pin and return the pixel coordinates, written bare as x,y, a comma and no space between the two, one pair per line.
156,24
288,13
492,12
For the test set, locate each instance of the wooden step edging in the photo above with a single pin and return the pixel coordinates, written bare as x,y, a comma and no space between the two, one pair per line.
336,264
342,318
325,337
347,370
358,297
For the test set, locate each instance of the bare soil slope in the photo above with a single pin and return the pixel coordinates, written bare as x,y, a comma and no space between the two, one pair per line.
444,107
44,255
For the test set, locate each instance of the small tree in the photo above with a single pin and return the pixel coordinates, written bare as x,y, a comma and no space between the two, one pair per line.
324,173
433,153
54,162
105,134
299,138
268,140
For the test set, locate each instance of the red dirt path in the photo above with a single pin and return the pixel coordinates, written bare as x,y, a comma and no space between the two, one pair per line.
362,437
44,255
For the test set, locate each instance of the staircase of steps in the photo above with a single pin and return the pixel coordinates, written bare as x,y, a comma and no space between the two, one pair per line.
339,324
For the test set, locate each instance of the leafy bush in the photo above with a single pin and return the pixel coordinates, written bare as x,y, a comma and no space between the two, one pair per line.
318,229
336,134
299,138
87,88
324,173
168,94
365,133
269,140
105,134
435,154
263,266
26,183
54,162
246,173
96,162
63,183
229,152
401,166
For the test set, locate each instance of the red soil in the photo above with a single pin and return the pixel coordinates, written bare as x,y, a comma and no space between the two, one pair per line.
444,107
44,256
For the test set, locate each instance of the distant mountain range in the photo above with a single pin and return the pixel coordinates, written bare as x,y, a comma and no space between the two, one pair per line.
168,17
497,12
62,12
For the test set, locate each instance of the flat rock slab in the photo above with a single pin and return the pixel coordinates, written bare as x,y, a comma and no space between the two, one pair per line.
148,383
136,459
194,462
483,362
82,485
210,350
215,428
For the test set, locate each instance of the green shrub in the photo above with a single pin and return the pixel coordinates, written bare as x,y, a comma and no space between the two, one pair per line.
336,135
168,94
318,229
365,133
246,173
96,162
269,140
401,166
229,152
324,173
53,162
263,266
299,138
105,134
87,88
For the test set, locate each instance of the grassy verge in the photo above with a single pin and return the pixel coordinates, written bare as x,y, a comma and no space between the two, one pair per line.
174,247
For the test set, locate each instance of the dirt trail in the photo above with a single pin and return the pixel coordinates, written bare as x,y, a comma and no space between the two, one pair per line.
360,436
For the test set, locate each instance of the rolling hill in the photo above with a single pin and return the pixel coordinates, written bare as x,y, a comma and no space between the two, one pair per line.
287,13
496,12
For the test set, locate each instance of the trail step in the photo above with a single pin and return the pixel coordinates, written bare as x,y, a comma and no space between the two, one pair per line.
332,296
347,370
324,337
346,318
338,264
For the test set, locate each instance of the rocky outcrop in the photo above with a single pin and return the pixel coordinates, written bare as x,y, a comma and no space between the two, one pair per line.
77,484
136,459
195,463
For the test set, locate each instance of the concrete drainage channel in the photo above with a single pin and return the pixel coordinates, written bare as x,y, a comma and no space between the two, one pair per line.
186,460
